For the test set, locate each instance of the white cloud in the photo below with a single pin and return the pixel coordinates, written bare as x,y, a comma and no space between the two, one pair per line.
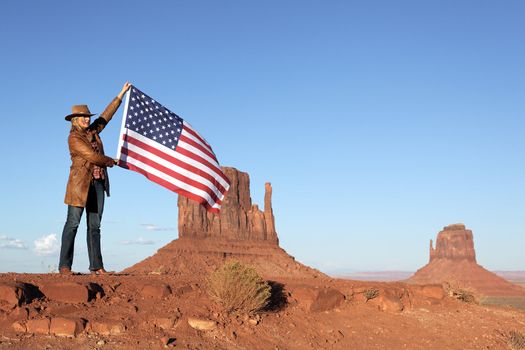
47,245
153,227
139,240
11,243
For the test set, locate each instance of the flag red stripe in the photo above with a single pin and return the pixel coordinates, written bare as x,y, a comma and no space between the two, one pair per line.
194,133
176,161
198,146
172,173
203,161
182,151
170,186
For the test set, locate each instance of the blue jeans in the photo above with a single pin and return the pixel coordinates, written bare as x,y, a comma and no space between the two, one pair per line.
94,208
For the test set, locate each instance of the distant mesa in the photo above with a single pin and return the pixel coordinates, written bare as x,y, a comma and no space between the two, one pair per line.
453,260
455,242
242,231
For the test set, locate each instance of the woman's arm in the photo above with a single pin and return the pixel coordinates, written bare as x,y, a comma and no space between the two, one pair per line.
79,147
100,123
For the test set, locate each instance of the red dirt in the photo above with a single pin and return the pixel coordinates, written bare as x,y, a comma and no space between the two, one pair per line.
125,317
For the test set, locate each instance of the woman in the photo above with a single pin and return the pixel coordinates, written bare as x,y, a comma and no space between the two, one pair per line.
88,180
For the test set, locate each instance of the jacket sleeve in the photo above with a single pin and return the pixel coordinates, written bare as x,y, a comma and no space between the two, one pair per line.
78,147
100,123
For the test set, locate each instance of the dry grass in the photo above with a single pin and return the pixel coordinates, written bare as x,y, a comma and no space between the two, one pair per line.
516,340
238,288
370,293
465,295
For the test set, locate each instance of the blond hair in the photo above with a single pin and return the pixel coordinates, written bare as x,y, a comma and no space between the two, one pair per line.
75,121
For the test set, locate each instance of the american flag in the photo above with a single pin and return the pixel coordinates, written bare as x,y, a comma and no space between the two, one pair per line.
162,146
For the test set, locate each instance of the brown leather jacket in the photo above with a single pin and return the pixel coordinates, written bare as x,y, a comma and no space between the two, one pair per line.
83,157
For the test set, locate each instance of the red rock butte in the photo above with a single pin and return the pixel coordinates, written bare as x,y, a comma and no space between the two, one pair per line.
241,231
454,261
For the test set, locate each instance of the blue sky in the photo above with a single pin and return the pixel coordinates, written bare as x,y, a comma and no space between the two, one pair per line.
377,122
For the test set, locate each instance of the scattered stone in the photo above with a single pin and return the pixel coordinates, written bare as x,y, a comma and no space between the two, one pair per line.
164,322
183,290
155,291
253,322
202,324
101,342
168,341
66,327
108,327
38,326
114,287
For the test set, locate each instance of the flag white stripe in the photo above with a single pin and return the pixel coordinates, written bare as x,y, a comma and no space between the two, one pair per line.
173,167
187,125
190,136
179,156
166,177
197,152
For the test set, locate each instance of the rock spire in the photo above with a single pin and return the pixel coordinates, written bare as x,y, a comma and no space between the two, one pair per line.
239,219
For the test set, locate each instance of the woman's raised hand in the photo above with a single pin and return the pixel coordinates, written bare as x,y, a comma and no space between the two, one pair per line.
125,88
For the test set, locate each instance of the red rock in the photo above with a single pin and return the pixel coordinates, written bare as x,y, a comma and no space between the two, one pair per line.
387,301
72,292
454,261
454,242
11,293
239,219
38,326
107,327
19,327
66,327
317,299
156,291
202,324
21,313
18,293
182,290
241,232
167,342
164,322
434,291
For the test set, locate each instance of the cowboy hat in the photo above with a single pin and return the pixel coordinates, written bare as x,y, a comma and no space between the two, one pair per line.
79,111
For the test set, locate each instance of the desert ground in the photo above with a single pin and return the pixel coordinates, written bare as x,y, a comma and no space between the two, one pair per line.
150,311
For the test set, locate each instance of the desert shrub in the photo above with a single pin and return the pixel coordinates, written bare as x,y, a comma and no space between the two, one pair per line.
371,293
158,270
456,291
238,288
464,295
516,340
